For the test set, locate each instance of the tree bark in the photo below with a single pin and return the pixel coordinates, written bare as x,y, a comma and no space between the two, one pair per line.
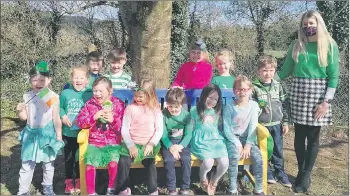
149,28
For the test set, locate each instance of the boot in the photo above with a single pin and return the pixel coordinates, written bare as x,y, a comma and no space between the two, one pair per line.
303,182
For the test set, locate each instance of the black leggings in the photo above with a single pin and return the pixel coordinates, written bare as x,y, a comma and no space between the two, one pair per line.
70,149
123,173
306,156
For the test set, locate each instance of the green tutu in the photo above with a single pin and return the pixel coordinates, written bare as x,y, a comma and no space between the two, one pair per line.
100,157
141,148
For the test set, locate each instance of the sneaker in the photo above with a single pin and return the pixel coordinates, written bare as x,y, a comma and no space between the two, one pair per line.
27,193
69,186
211,188
235,193
270,178
127,191
204,185
172,193
48,190
184,192
285,181
76,189
261,193
110,191
154,193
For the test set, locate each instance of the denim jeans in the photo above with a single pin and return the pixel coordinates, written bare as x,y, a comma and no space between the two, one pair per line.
257,165
277,156
169,165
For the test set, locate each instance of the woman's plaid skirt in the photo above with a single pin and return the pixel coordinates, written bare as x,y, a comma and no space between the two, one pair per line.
305,95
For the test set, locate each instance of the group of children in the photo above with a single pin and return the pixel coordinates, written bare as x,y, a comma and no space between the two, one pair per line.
119,135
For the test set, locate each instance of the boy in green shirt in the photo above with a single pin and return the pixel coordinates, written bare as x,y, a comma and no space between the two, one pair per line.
224,61
175,141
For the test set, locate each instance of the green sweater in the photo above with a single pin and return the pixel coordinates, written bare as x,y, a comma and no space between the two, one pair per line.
223,81
308,66
71,102
174,126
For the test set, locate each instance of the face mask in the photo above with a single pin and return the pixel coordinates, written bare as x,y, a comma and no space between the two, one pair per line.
310,31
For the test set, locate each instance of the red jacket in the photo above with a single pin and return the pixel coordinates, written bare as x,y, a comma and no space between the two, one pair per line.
194,75
98,136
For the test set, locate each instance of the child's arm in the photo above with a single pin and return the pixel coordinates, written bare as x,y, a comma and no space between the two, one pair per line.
178,81
85,118
208,75
159,128
285,105
21,109
57,121
188,133
251,138
165,137
227,119
118,116
126,123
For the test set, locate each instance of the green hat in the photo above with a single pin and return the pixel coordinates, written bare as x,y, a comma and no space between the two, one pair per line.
42,66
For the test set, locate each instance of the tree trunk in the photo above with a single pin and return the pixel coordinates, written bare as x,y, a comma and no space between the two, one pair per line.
149,29
260,38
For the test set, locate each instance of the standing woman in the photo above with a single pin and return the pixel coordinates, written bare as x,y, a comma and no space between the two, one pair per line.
313,62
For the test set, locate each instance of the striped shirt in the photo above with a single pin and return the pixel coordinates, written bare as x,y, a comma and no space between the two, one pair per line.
119,80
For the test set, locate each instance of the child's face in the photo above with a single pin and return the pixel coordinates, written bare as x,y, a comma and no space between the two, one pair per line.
117,66
174,109
95,66
196,56
39,82
266,73
212,100
102,92
223,65
79,80
242,91
140,98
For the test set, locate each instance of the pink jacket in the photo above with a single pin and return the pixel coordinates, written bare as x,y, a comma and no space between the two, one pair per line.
194,75
97,136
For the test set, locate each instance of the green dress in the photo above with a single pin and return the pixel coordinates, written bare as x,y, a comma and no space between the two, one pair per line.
207,141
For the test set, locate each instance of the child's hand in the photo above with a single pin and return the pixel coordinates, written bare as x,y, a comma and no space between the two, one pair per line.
179,147
245,154
108,116
285,130
98,115
59,138
173,150
20,107
148,149
66,121
180,87
133,152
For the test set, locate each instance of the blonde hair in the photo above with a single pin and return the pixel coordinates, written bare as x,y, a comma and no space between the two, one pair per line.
225,53
267,61
324,40
80,68
149,89
240,79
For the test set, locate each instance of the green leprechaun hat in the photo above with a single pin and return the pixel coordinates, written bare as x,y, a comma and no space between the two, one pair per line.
42,66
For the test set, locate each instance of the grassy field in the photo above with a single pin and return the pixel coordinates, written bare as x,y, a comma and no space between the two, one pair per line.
329,176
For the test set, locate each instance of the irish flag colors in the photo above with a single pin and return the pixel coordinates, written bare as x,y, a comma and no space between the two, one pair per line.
48,96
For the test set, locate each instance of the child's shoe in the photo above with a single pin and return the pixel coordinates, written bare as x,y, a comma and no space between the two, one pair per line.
212,188
184,192
154,193
127,191
204,185
77,185
110,191
261,193
285,181
172,192
69,186
48,190
270,178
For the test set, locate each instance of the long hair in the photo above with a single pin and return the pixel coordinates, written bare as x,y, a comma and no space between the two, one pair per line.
148,87
324,40
207,90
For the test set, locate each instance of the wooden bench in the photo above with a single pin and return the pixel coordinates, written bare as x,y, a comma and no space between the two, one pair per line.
192,98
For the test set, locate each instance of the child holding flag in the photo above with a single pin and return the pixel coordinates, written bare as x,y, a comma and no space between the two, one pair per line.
42,137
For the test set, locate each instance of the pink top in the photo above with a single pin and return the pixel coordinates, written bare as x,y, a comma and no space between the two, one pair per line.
98,136
141,125
193,75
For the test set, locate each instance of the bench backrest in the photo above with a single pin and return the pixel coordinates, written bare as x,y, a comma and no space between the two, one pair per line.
192,96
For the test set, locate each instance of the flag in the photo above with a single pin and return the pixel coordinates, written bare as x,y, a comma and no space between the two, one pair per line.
48,96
